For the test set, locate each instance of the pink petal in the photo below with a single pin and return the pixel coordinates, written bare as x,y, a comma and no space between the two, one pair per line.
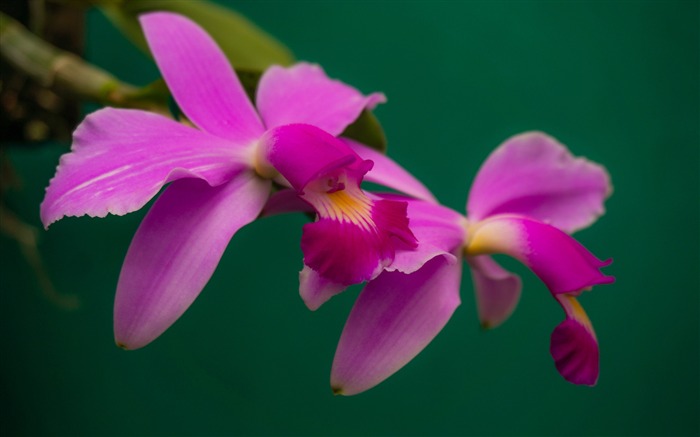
393,320
534,175
326,173
121,158
439,231
315,290
390,174
304,94
561,262
200,77
303,153
497,290
176,250
352,249
574,345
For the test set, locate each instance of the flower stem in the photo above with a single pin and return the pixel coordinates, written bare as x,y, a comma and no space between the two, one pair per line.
67,73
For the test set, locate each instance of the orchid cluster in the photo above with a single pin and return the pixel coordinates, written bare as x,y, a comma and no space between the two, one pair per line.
233,161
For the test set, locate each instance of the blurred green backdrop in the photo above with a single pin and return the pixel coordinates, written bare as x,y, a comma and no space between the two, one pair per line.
615,81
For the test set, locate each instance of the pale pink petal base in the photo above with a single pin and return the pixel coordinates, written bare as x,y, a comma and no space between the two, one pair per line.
393,320
497,290
534,175
176,250
304,94
574,345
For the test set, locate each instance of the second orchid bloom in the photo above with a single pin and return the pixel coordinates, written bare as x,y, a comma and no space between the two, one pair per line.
220,170
527,193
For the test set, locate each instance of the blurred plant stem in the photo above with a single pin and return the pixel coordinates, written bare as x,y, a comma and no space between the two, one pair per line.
27,237
67,73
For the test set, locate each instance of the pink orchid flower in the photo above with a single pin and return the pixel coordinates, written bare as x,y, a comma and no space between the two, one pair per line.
526,196
220,173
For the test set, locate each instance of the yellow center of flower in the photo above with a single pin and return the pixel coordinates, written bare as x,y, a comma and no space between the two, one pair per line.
341,201
489,236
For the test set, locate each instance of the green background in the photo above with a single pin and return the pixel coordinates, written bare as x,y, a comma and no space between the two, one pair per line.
616,82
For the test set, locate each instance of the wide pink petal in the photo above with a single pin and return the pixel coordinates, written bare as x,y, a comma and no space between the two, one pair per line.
303,93
200,77
393,320
534,175
390,174
561,262
574,345
176,250
121,158
497,290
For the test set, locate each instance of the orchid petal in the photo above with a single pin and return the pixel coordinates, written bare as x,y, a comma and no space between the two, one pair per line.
355,248
327,174
315,290
534,175
121,158
302,153
393,320
574,345
200,77
561,262
176,250
390,174
497,290
304,94
439,231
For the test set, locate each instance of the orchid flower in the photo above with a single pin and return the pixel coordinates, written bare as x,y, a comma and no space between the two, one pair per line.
526,196
220,170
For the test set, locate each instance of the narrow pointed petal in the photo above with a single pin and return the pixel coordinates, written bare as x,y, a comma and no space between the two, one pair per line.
390,174
534,175
497,290
200,77
574,345
176,250
393,320
315,290
121,158
304,94
561,262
